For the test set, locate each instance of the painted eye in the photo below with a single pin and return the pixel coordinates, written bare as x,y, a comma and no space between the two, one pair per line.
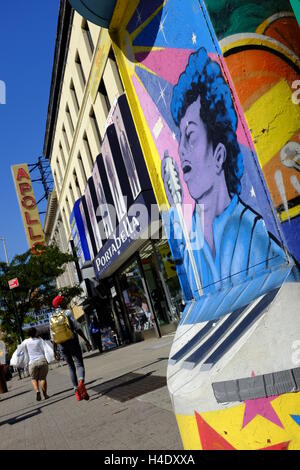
188,136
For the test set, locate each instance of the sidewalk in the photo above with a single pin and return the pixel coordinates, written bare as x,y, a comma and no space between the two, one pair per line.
129,406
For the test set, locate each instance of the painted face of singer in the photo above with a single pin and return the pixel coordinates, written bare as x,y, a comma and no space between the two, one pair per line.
200,169
203,109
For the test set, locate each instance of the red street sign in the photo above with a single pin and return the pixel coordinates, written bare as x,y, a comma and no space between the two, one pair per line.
13,283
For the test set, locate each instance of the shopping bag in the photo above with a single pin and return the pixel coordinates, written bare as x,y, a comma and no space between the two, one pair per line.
20,358
14,359
48,351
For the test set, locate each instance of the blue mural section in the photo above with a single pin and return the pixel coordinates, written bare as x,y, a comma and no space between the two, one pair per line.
163,31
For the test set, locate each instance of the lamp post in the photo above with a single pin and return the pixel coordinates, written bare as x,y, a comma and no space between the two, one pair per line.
21,335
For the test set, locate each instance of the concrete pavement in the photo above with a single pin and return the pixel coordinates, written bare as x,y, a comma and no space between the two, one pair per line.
129,406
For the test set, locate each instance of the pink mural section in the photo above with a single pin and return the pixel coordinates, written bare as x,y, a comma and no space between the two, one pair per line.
161,134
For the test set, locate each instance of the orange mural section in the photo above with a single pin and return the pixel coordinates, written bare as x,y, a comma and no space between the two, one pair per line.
265,69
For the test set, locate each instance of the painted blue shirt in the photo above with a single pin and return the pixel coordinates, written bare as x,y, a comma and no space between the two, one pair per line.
243,248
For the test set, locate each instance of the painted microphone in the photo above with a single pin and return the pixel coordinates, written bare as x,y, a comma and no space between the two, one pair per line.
175,189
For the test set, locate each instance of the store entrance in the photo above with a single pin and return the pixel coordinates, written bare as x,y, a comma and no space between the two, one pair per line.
154,284
137,302
157,262
151,292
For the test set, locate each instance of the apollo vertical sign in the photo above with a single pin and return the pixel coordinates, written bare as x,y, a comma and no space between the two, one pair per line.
30,215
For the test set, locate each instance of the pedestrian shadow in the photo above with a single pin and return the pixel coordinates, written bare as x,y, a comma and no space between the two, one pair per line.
14,396
49,401
38,410
22,417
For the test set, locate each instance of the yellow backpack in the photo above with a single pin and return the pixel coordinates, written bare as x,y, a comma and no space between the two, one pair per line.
60,327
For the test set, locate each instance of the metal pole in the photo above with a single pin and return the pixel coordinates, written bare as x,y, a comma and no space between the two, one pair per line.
5,250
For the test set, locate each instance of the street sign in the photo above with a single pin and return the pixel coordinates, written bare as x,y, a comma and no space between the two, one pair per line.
13,283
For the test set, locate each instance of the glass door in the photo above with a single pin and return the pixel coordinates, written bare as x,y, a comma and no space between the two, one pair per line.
154,284
136,299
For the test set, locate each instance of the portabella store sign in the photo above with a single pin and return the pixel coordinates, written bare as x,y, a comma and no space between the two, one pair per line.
133,226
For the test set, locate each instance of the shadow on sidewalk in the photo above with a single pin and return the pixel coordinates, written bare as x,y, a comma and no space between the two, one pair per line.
129,386
14,396
42,404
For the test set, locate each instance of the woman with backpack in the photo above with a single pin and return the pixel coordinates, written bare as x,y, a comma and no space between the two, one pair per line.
64,330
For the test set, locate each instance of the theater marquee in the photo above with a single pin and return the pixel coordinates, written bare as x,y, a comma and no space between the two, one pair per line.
30,215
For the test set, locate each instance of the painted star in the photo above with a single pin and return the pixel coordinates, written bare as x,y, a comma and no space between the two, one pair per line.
162,94
211,440
173,135
194,38
252,192
161,27
139,18
262,407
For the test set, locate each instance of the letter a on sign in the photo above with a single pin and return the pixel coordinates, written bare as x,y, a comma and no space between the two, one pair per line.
13,283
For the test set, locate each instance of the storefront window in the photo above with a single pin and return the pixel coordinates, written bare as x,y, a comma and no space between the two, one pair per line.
135,298
172,285
154,284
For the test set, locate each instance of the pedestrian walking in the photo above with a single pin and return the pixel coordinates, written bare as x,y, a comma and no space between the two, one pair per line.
95,332
34,349
64,331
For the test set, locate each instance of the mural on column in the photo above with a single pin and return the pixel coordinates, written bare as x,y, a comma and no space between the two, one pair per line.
231,360
261,45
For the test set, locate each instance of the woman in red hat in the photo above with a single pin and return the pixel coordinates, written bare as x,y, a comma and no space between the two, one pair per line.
70,348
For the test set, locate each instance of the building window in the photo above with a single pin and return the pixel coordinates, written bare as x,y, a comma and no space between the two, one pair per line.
88,149
76,182
87,33
68,207
66,138
80,70
82,170
72,194
61,151
74,97
95,127
69,117
102,90
111,55
59,172
65,219
57,186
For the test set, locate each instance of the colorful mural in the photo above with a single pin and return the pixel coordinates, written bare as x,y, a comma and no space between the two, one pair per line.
234,264
261,45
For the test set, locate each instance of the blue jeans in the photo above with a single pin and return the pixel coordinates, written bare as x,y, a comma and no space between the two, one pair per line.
73,356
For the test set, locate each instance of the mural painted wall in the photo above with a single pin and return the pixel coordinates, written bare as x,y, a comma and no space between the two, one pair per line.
261,45
231,370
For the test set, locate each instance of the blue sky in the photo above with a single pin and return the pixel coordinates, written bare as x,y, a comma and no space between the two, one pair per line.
27,42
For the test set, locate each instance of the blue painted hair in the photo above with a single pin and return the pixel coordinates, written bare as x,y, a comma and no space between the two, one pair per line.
203,77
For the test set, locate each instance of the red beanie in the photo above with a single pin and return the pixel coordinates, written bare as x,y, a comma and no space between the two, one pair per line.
57,301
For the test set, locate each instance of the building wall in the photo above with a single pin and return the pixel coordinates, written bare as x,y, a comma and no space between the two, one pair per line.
233,252
89,87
